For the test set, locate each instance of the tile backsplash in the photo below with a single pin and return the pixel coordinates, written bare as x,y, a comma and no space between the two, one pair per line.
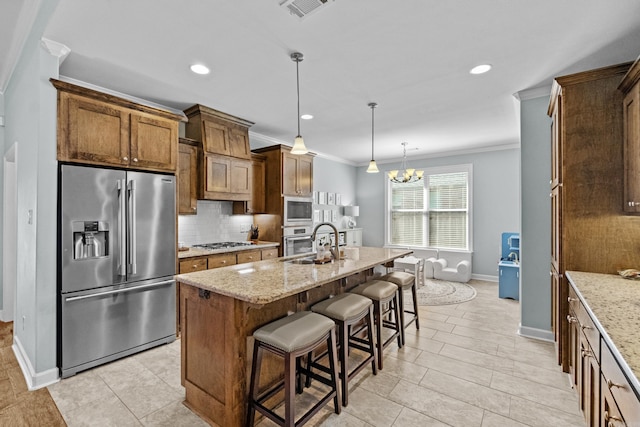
213,223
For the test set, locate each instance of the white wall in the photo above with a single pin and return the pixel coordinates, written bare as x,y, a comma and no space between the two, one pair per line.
535,241
30,103
496,205
2,150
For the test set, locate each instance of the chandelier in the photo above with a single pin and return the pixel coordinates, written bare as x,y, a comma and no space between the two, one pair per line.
406,174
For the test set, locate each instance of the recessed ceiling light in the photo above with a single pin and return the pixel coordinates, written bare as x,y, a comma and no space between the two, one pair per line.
480,69
200,69
306,117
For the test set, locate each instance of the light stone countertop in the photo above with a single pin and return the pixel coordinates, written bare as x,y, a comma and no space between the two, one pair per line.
614,304
266,281
194,252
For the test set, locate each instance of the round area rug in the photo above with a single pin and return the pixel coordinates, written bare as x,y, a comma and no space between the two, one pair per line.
442,292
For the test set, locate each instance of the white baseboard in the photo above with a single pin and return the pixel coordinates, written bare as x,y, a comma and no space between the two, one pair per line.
35,380
539,334
485,277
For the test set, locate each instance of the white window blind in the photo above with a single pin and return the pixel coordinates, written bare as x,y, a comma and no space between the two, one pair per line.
448,201
408,214
433,212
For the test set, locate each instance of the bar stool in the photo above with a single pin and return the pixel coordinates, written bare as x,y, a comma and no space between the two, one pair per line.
382,293
292,337
405,281
348,310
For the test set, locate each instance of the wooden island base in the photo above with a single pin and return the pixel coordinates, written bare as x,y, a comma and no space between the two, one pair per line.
217,346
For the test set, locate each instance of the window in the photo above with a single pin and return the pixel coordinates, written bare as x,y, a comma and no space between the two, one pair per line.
433,212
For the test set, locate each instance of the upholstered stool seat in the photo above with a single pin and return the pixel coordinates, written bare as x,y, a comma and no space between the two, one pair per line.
347,310
405,281
292,337
382,293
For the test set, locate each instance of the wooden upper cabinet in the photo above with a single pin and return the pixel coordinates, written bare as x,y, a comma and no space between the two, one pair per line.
153,143
226,178
219,132
187,177
297,175
215,137
103,129
630,86
257,203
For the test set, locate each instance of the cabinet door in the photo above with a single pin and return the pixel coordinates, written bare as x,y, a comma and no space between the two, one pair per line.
96,132
240,177
289,174
239,143
556,227
305,176
217,174
187,179
632,150
574,349
354,237
216,137
589,386
556,145
257,203
154,143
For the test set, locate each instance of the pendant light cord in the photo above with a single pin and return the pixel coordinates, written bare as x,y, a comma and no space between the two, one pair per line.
373,105
298,91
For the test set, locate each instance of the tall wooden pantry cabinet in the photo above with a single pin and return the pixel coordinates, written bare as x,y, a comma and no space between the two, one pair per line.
590,231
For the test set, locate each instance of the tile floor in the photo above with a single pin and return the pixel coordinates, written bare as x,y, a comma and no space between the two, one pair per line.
466,367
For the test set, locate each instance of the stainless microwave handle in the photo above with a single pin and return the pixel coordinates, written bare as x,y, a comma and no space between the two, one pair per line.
298,238
120,291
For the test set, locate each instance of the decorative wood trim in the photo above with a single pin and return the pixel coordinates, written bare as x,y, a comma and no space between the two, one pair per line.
201,109
591,75
631,78
113,99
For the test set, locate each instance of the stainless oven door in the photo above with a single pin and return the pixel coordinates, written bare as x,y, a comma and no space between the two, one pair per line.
297,245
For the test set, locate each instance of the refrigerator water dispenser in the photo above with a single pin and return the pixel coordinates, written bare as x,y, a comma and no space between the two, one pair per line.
91,239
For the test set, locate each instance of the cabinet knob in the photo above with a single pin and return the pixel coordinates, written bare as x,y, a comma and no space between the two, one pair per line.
633,204
195,266
193,208
569,299
586,353
586,327
224,261
125,158
135,159
571,319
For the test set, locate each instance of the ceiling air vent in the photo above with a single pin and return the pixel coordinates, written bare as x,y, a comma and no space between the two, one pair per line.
303,8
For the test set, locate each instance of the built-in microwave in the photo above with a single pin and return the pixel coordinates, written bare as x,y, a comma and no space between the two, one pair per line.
298,210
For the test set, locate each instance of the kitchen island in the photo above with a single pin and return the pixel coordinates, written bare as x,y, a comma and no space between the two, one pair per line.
221,308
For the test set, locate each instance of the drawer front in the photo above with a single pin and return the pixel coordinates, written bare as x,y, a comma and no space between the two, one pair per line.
270,253
222,260
248,256
589,329
616,382
193,264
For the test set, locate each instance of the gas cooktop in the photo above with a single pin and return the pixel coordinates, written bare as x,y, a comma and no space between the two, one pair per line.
222,245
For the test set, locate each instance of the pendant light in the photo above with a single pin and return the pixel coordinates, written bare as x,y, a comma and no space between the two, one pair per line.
373,168
408,174
298,143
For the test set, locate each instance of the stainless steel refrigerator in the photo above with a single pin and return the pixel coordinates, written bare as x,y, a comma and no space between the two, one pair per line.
116,262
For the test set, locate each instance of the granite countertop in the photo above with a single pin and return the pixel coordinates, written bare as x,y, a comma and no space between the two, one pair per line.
614,302
266,281
193,252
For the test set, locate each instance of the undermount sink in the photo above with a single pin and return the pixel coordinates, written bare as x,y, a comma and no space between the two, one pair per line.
508,262
304,260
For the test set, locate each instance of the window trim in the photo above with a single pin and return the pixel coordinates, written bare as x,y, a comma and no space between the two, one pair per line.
465,167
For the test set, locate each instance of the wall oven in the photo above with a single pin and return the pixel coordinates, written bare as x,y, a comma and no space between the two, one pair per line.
298,211
297,240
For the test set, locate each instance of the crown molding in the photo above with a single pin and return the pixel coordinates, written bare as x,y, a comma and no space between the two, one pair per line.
536,92
56,49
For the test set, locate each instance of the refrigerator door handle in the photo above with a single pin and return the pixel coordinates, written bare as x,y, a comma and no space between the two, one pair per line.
119,291
133,256
122,218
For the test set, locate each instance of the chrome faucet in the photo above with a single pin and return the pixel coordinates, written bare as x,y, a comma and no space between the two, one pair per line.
335,252
515,256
